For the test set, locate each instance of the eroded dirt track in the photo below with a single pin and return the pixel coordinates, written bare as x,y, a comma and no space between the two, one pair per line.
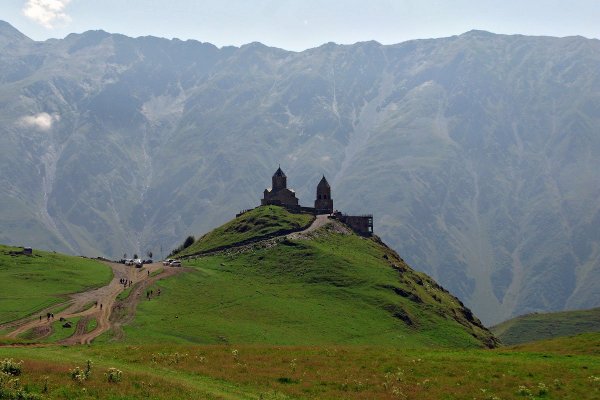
100,304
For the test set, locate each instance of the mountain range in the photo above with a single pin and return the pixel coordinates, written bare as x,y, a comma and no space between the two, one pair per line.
477,154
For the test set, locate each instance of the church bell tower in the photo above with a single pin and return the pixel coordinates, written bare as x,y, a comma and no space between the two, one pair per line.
323,202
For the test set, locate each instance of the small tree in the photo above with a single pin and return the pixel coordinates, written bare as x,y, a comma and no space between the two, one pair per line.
135,256
125,255
149,254
188,242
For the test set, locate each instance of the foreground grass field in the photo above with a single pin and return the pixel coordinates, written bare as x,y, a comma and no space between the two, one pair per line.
32,283
531,327
568,368
257,223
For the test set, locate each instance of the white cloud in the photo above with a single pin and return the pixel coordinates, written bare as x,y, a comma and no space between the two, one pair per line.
42,121
47,13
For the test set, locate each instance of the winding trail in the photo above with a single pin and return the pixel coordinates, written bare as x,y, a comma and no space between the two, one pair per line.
319,221
83,304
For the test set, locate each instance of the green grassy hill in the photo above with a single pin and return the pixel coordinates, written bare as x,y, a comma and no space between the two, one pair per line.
532,327
333,287
257,223
32,283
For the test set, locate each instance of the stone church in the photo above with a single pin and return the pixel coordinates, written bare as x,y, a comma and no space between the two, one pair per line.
279,195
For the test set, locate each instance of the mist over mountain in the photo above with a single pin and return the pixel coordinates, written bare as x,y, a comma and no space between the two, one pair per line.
477,154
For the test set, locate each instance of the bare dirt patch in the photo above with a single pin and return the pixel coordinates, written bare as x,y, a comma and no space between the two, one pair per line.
100,304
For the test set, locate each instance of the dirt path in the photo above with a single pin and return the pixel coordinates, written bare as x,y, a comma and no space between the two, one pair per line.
320,221
84,304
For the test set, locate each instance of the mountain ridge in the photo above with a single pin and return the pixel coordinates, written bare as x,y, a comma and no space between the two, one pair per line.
475,153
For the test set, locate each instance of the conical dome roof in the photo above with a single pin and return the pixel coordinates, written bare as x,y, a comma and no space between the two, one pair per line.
323,183
279,172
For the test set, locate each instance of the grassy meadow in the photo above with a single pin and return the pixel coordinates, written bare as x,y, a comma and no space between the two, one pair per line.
257,223
565,369
32,283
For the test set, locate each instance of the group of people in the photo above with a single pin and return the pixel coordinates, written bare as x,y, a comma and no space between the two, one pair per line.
125,282
150,293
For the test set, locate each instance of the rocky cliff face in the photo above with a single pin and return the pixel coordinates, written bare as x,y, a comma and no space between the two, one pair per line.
476,153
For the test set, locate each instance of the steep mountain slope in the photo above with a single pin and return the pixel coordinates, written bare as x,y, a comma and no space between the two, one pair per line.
476,153
326,286
532,327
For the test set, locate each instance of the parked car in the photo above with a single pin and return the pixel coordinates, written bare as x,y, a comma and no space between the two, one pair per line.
167,262
129,261
175,263
138,263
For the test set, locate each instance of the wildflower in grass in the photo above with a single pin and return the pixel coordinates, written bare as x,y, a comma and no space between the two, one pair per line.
424,384
10,388
236,354
524,391
168,358
557,383
11,367
542,389
114,375
79,375
398,393
293,365
594,379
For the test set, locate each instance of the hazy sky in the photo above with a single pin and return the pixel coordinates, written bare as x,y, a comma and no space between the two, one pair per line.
301,24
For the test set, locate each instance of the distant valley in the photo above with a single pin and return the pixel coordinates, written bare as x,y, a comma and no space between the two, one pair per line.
477,154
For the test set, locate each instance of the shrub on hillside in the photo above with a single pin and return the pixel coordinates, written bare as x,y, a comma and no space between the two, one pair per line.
187,243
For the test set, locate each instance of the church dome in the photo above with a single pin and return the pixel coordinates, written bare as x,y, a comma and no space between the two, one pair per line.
279,173
323,183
